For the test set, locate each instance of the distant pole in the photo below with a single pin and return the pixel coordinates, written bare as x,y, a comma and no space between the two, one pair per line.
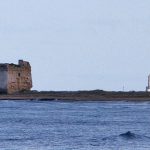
149,82
123,88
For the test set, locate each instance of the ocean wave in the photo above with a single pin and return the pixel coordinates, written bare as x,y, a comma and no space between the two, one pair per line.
127,136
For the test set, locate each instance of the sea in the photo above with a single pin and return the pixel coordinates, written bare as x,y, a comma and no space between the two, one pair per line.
74,125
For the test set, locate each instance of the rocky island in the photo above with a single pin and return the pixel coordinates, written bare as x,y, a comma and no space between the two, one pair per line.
16,84
95,95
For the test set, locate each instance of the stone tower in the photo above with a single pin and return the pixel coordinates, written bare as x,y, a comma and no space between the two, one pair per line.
148,87
15,78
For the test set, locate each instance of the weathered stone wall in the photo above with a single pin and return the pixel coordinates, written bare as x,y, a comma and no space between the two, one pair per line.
19,77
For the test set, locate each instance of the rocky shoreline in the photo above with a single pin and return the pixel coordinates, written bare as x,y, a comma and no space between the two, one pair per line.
95,95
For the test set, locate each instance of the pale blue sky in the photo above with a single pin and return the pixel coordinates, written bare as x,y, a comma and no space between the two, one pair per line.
79,44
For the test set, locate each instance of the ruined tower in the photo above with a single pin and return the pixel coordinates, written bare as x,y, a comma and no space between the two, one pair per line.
15,78
148,87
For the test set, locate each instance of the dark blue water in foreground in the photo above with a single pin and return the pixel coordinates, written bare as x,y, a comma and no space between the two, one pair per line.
43,125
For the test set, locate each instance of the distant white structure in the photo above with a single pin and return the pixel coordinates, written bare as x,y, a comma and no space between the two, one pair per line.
148,87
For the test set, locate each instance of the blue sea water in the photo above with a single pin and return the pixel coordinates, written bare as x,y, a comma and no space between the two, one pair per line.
55,125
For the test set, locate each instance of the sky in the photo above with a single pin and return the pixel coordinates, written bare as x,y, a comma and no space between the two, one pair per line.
78,44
